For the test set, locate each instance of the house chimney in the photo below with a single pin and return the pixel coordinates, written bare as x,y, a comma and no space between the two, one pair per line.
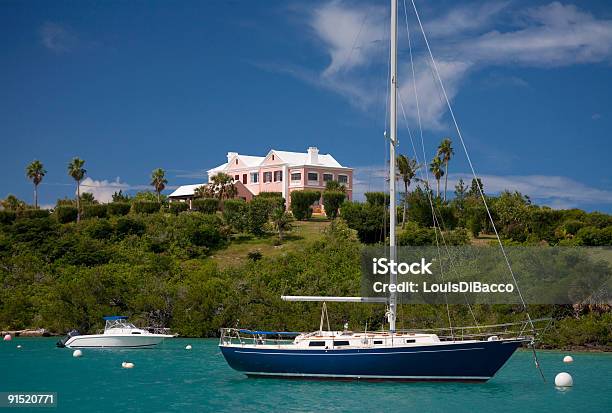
230,155
313,155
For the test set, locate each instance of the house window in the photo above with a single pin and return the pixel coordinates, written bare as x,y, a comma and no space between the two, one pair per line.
343,179
254,177
244,179
236,161
236,177
267,177
328,177
296,177
272,157
313,177
278,176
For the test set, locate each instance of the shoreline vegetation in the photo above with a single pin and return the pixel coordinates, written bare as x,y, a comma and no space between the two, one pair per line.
227,262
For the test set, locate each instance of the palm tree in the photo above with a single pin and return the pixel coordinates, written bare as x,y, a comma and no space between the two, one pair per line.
406,170
35,172
436,169
159,181
224,185
281,220
446,151
77,172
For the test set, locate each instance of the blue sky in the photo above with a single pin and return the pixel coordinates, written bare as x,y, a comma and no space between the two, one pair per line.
132,86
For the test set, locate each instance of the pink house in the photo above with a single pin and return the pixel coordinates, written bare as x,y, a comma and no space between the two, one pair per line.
279,171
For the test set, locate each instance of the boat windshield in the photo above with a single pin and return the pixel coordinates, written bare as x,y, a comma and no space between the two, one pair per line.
118,324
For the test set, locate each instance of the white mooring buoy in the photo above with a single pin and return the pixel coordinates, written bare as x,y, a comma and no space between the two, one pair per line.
564,380
18,345
568,359
77,353
8,337
188,347
127,365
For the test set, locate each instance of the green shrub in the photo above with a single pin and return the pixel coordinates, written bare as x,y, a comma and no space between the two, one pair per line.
33,213
235,214
572,226
205,205
94,211
414,236
7,217
592,236
258,213
276,197
459,236
99,229
65,214
377,198
368,220
146,207
118,208
301,203
178,207
332,201
129,226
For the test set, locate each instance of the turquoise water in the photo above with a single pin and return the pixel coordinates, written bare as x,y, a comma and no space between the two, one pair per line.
172,379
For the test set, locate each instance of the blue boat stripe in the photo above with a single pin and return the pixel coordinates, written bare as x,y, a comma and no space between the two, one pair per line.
338,353
366,376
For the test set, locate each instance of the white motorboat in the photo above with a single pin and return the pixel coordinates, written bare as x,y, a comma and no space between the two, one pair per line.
118,333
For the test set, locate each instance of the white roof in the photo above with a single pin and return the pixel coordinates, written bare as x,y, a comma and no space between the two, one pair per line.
301,158
185,190
291,158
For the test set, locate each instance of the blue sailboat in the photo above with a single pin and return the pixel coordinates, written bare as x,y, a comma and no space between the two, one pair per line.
471,355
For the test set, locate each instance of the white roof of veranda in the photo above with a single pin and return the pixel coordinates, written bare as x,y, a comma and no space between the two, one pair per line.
184,190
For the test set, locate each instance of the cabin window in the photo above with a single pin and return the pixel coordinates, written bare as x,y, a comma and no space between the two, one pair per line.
316,344
313,177
343,179
254,177
377,341
278,176
411,341
296,177
267,177
328,177
341,343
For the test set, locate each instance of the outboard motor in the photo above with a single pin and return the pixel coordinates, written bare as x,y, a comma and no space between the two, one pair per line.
62,343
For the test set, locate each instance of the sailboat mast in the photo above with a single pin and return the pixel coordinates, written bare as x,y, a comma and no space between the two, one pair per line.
392,143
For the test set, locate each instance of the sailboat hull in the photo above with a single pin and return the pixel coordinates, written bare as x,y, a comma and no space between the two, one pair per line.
473,361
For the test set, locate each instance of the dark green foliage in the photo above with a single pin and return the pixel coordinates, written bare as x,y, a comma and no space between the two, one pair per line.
301,203
571,226
36,231
120,197
65,214
416,236
129,226
258,213
275,197
178,207
592,236
332,200
377,198
145,207
255,255
33,213
598,219
99,229
7,217
369,220
118,208
235,214
205,205
94,211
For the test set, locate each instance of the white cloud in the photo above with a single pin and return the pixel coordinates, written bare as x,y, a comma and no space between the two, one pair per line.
557,192
103,190
57,38
354,37
554,191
